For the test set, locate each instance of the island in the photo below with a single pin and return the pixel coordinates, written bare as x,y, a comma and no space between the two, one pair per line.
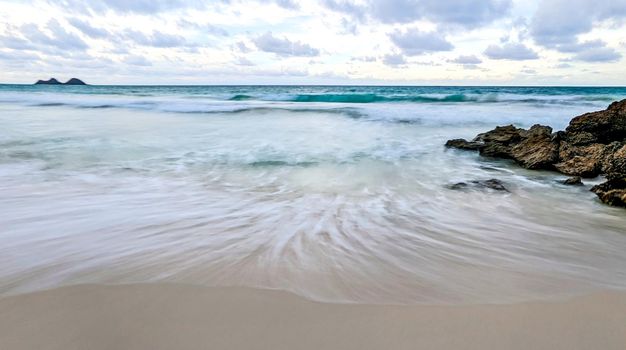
53,81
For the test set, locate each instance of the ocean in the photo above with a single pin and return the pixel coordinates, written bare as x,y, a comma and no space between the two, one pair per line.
336,193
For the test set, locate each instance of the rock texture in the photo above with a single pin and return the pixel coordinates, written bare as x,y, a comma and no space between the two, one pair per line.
493,184
593,144
573,181
53,81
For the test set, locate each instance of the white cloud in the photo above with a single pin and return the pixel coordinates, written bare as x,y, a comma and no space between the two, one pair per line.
351,41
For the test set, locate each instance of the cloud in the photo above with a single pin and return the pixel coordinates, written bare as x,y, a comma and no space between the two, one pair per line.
288,4
471,59
241,46
15,55
413,42
242,61
136,60
156,39
55,39
557,23
590,51
603,54
88,29
394,59
563,65
127,6
511,51
206,28
284,47
463,13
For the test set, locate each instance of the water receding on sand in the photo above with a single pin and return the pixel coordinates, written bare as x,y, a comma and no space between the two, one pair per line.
335,200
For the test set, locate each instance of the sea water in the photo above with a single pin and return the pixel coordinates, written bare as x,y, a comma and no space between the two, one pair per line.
336,193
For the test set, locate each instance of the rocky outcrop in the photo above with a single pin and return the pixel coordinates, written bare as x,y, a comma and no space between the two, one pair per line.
593,144
533,149
53,81
74,81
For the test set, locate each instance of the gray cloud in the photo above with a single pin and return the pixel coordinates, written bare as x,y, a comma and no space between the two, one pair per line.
88,29
414,42
394,59
467,14
511,51
557,23
16,55
603,54
283,47
55,40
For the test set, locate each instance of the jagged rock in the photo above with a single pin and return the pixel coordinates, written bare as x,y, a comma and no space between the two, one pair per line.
582,161
612,192
464,144
614,165
573,181
493,184
599,127
537,150
593,144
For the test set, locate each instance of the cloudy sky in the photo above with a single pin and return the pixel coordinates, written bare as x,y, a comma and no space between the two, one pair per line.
466,42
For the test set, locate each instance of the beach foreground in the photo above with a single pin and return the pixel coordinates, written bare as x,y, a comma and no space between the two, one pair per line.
171,316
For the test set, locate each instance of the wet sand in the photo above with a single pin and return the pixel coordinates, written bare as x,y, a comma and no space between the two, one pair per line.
170,316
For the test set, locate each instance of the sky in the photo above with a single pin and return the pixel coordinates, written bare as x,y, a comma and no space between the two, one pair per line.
379,42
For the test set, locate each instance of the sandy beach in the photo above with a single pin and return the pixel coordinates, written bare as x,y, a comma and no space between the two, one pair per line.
170,316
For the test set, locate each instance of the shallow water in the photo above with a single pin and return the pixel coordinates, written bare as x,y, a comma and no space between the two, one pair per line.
335,193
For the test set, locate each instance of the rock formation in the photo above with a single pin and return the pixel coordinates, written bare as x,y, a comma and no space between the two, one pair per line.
53,81
593,144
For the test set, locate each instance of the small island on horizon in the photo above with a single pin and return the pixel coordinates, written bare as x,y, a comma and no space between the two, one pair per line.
53,81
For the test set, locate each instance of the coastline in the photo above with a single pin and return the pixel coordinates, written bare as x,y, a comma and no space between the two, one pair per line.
174,316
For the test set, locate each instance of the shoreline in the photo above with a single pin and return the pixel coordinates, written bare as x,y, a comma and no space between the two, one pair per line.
175,316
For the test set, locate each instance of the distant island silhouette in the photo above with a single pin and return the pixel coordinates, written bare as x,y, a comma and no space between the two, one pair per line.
53,81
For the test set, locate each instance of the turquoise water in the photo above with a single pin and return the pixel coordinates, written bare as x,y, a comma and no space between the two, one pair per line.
335,193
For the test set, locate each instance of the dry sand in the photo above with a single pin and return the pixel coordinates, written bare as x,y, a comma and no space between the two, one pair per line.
169,316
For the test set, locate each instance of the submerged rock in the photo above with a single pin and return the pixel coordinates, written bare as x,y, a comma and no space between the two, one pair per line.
592,144
573,181
493,184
